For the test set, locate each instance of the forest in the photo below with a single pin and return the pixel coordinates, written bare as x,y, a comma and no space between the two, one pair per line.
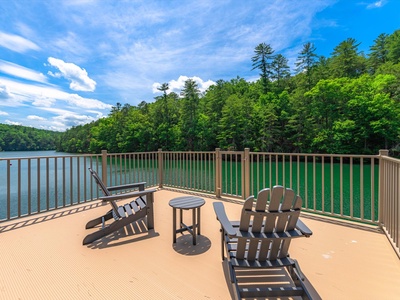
22,138
348,103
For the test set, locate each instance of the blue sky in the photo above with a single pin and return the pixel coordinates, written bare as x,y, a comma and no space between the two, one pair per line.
65,63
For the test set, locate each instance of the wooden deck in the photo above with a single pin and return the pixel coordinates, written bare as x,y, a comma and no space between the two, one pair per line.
42,257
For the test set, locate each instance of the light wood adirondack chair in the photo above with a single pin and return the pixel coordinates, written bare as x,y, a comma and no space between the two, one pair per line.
140,207
257,246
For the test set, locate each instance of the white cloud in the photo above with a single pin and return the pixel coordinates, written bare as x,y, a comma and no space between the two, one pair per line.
3,113
12,122
60,119
177,85
44,101
78,77
21,72
36,118
60,110
16,43
376,4
4,93
72,119
79,101
32,93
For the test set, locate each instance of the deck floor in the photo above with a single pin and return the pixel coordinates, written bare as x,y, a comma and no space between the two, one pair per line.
42,257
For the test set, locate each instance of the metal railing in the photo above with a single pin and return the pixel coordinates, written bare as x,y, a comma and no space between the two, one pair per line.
389,206
363,188
38,184
344,186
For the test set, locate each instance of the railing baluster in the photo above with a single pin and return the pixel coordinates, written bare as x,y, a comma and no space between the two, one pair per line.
332,188
314,175
8,189
19,188
55,183
351,188
64,180
38,185
47,184
322,184
362,189
29,187
341,186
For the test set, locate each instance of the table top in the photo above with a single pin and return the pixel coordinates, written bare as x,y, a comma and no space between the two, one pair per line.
187,202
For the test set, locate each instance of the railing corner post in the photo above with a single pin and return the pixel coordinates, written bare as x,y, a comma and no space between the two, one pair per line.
160,168
104,166
218,173
246,173
382,152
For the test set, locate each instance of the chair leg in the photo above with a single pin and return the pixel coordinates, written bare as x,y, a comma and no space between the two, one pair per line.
150,211
222,243
99,220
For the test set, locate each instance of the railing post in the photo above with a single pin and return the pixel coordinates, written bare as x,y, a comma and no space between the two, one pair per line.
160,168
218,173
382,191
104,166
246,173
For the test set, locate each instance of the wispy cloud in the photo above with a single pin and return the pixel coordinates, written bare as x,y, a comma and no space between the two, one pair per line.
64,109
21,72
78,77
376,4
37,118
9,122
16,43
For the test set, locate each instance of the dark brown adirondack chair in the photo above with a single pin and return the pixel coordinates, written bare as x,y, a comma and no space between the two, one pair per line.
141,207
257,246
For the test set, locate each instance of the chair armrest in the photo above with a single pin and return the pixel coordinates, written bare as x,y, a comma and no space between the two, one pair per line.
140,185
303,228
223,219
127,195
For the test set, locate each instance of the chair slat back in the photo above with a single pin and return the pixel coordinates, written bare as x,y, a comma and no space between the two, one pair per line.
246,218
99,182
117,213
275,211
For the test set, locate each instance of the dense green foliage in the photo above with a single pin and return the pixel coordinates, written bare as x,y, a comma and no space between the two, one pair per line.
21,138
346,103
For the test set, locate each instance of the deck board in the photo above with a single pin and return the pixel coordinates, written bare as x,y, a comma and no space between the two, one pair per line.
42,257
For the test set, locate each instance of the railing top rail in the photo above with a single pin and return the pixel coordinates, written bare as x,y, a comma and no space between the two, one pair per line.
316,154
133,153
388,158
50,156
231,152
189,152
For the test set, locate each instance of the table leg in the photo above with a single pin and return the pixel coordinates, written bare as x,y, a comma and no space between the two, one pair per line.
180,218
194,225
174,224
198,220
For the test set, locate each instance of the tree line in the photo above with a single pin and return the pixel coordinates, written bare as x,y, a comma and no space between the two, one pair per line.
21,138
346,103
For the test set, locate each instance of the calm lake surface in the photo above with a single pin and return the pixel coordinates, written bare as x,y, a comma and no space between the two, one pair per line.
12,154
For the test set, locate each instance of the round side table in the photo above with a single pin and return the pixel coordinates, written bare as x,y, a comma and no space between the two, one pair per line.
185,203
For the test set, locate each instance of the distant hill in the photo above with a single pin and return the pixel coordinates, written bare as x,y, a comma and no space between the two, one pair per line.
22,138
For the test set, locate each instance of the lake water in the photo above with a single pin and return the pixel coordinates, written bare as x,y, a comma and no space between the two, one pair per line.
41,180
11,154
